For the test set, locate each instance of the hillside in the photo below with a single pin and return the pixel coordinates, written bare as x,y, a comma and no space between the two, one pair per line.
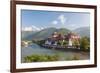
45,33
83,31
48,32
26,34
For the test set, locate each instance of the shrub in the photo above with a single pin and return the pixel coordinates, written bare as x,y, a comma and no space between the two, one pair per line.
85,44
41,58
75,57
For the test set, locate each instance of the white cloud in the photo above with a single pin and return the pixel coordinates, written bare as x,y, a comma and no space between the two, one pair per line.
55,22
41,28
31,28
27,29
62,19
35,28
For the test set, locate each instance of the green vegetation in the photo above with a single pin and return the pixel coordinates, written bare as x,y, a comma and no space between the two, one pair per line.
63,42
39,42
63,31
46,58
76,43
74,57
85,44
41,58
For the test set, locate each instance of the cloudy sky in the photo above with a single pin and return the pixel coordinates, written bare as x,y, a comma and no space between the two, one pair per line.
37,20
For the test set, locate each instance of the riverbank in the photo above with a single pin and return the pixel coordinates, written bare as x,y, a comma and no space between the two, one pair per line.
38,50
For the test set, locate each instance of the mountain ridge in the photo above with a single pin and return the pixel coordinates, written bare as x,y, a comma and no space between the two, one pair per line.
83,31
47,32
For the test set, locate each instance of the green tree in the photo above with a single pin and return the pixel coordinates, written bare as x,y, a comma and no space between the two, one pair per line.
76,43
62,42
65,43
85,43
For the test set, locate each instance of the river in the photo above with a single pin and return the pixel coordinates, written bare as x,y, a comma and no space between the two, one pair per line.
36,49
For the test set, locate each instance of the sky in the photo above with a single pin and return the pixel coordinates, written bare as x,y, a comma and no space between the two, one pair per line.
38,20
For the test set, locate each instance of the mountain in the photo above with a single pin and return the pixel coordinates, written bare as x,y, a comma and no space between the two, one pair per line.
63,31
45,33
48,32
83,31
26,34
29,31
